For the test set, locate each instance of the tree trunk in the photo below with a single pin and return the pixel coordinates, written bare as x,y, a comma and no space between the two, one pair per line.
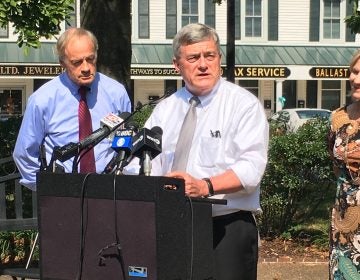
110,21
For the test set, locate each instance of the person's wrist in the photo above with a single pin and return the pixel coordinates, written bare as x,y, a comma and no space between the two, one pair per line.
209,186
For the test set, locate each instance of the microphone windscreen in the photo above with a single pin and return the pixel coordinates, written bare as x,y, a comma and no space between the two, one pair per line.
157,130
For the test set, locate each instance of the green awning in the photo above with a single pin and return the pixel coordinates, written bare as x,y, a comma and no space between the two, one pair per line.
161,54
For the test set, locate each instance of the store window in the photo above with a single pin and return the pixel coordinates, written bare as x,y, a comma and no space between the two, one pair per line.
10,102
250,85
330,94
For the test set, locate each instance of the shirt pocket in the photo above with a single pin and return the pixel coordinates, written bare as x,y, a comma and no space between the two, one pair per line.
209,151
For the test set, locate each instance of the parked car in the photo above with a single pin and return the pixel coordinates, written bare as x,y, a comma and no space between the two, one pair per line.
293,118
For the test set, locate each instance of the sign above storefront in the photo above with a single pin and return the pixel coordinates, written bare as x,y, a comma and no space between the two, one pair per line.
30,70
261,72
330,72
240,72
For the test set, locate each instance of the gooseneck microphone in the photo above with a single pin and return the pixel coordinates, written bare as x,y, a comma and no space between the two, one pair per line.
109,124
146,146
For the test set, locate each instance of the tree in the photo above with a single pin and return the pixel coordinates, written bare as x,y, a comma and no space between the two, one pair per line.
34,19
353,21
110,21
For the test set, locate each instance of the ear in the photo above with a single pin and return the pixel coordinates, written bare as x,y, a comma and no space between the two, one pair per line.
176,65
62,64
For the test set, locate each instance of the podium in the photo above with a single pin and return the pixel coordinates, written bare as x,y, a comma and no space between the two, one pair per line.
122,227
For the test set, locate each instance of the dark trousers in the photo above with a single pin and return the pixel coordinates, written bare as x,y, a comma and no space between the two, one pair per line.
235,246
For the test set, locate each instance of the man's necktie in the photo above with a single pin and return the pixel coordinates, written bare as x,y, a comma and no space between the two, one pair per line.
87,159
186,135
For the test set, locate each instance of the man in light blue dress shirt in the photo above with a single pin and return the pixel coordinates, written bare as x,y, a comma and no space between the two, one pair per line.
51,116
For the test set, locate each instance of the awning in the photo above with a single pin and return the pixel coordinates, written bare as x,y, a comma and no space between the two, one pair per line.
161,54
339,56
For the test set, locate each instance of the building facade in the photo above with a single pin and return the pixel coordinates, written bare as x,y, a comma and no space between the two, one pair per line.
288,53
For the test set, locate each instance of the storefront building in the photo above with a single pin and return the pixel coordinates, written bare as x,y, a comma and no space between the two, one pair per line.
287,53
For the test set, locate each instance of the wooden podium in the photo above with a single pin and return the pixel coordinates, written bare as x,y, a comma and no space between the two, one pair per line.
122,227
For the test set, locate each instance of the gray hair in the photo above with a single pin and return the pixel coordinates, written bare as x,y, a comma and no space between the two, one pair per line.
71,33
194,33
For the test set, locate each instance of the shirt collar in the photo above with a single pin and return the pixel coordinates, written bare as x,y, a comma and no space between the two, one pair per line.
74,88
205,99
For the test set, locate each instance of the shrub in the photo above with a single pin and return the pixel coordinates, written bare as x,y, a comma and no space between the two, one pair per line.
298,177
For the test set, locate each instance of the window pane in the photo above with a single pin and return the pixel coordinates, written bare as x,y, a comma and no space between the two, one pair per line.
327,8
336,9
257,7
194,6
248,27
10,102
171,16
330,99
257,27
327,29
4,32
237,20
331,85
336,29
143,27
143,7
210,13
186,7
249,8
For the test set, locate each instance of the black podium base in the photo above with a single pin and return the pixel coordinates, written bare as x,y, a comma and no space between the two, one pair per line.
122,227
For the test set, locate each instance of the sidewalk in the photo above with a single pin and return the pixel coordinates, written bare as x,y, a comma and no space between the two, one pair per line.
296,271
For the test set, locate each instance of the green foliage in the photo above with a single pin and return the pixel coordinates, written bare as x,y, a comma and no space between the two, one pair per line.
33,19
142,115
298,177
353,21
8,133
15,247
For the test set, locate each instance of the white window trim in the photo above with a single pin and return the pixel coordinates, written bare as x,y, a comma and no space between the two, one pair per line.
264,22
342,24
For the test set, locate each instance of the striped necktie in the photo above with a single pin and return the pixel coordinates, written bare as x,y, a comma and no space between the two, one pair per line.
87,158
186,135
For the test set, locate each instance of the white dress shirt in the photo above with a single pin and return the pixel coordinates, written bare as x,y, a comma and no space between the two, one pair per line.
232,133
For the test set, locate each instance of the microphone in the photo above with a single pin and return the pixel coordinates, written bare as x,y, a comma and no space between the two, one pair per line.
122,144
147,145
109,124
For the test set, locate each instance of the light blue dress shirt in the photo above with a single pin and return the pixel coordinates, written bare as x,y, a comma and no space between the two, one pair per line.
51,117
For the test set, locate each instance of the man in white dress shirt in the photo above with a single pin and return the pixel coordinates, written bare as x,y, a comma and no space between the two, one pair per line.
228,153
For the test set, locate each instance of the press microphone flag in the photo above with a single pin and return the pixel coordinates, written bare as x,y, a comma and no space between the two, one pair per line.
146,146
122,144
109,124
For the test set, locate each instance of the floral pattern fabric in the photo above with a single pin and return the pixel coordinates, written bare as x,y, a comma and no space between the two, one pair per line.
344,144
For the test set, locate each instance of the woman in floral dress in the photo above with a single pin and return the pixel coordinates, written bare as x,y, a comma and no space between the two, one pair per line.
344,140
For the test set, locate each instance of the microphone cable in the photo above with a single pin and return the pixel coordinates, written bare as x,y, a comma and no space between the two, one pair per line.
117,243
192,237
82,235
